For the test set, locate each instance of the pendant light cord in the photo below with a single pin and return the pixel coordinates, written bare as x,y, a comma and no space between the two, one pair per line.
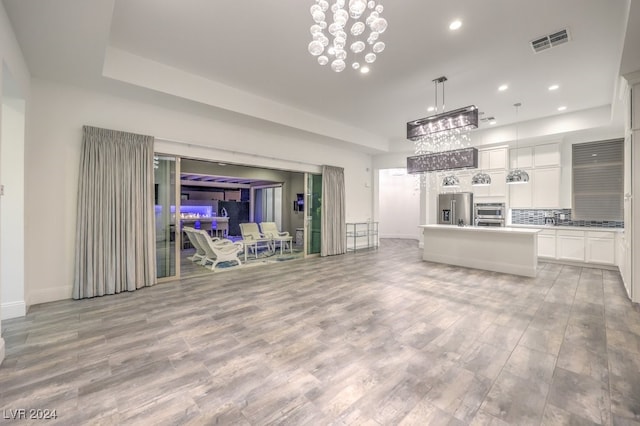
517,105
443,95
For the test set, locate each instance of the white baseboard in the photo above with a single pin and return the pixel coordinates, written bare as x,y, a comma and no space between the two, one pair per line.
1,350
50,294
401,236
13,310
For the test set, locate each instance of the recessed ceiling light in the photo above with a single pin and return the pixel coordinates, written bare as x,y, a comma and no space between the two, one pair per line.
364,70
492,122
562,108
554,87
503,87
455,25
431,109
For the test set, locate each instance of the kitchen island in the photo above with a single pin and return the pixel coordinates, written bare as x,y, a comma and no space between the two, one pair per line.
500,249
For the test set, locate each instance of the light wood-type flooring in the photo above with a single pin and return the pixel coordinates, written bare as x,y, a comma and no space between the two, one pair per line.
376,337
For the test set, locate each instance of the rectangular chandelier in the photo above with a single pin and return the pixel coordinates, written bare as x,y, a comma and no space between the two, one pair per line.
449,160
462,118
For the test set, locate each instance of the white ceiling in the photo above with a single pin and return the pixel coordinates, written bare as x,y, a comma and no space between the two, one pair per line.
259,49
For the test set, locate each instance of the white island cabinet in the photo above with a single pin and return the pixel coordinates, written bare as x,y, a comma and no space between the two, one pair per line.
509,250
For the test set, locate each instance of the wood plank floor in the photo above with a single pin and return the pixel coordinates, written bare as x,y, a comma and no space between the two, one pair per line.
374,337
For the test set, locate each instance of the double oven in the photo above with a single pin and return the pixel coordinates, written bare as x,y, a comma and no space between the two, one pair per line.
489,214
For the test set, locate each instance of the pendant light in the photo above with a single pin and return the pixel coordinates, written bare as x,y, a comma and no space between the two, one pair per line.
481,179
451,181
517,175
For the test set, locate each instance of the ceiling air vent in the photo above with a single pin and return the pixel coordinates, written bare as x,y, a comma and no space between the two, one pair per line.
549,41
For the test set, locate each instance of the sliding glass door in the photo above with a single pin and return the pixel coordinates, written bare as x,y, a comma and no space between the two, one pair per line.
167,230
313,213
267,206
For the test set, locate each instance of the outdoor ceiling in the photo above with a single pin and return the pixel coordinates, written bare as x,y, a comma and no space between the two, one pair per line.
251,58
214,181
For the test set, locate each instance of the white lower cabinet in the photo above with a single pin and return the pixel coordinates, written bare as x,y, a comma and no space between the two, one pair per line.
601,248
570,245
597,247
547,244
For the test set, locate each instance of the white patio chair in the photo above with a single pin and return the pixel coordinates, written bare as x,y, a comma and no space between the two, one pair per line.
200,253
283,239
253,238
218,250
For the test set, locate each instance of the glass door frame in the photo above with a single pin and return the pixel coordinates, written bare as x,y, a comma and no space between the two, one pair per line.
308,214
177,228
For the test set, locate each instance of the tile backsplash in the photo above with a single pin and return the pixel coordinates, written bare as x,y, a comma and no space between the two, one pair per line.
561,216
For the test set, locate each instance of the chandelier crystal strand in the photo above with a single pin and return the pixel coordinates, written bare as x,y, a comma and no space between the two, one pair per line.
346,38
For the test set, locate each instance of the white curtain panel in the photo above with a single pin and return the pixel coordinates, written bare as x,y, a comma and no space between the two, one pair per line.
115,234
333,232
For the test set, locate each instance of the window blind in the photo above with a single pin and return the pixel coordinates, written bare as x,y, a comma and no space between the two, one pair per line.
598,181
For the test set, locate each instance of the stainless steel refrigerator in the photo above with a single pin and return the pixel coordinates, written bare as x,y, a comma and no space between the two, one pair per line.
455,209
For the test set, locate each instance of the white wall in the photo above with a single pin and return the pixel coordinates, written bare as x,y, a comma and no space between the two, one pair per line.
12,61
54,131
12,205
399,204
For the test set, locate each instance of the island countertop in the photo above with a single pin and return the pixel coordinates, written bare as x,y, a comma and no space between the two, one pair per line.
501,249
492,229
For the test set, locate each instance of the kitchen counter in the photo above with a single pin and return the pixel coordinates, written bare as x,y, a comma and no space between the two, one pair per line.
566,227
511,250
490,229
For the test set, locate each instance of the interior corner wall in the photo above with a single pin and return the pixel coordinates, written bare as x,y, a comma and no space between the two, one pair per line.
12,261
11,59
54,133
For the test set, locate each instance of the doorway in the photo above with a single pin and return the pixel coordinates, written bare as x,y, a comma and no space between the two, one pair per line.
207,190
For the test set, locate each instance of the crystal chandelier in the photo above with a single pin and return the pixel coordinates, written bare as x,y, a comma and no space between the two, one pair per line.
348,32
443,131
442,141
460,120
517,175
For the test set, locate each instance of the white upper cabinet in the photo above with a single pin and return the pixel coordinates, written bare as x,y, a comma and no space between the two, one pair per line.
492,159
521,195
546,187
546,155
498,187
543,191
521,158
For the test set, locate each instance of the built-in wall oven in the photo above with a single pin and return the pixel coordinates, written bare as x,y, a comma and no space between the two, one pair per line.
489,214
